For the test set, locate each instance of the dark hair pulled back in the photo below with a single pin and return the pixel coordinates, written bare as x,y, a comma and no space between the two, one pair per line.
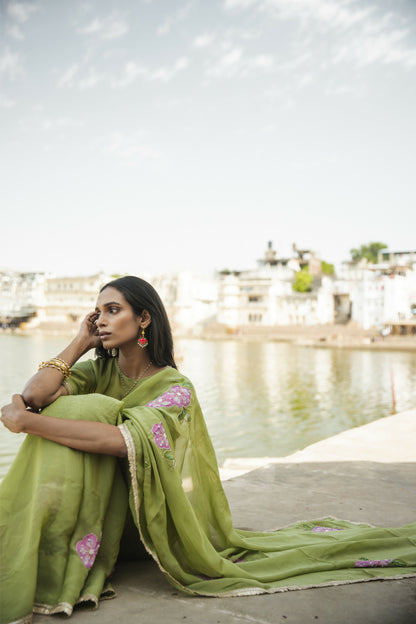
142,296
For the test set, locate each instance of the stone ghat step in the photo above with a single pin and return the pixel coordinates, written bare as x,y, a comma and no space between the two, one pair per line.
389,440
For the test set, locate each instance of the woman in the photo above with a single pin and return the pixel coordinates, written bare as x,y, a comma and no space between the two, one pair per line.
121,450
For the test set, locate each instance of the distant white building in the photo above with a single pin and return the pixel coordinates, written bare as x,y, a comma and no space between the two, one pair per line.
191,299
380,293
265,296
21,296
69,299
373,295
397,258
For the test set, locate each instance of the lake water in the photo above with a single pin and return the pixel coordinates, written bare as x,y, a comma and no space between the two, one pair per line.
258,398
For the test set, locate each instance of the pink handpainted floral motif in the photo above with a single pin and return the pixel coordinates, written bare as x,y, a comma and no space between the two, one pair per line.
87,549
175,396
373,563
321,529
160,436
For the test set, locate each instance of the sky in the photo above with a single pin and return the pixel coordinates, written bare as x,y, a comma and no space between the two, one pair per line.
147,136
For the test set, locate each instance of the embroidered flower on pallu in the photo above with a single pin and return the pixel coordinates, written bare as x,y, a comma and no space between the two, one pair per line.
321,529
160,437
380,563
373,563
87,549
161,440
176,396
203,577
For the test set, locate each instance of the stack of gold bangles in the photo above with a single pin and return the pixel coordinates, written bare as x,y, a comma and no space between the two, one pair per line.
58,364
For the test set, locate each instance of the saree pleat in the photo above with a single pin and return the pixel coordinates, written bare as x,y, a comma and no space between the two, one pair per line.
63,514
51,500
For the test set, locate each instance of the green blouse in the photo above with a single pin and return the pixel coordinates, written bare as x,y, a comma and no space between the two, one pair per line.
103,376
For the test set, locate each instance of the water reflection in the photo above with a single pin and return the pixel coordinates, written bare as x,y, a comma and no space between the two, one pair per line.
274,398
258,398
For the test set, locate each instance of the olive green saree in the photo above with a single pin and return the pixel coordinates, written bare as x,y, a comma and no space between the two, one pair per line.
63,511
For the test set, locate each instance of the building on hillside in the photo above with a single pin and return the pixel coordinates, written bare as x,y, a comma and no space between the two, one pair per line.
380,294
190,299
397,258
68,299
265,296
307,259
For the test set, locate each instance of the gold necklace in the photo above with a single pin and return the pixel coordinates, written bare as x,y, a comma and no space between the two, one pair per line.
126,388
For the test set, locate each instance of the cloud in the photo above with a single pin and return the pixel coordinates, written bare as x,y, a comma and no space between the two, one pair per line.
383,47
79,77
203,41
111,27
228,64
21,11
10,64
171,20
72,78
62,123
235,63
261,61
128,150
6,102
239,4
334,13
16,32
302,59
18,13
231,58
355,35
92,79
343,90
167,73
129,74
67,78
340,15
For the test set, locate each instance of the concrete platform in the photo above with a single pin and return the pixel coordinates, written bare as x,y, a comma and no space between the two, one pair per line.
388,440
377,492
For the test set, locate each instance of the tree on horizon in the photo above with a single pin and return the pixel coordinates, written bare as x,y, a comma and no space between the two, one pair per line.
303,281
369,251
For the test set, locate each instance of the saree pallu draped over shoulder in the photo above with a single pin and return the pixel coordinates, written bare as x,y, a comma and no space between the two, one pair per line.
63,515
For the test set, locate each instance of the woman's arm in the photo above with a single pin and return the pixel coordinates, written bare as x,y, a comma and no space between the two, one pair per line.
92,437
46,385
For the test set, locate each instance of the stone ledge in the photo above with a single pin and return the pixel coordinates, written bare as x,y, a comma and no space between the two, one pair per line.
388,440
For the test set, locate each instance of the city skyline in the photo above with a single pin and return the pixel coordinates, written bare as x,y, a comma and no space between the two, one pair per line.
154,136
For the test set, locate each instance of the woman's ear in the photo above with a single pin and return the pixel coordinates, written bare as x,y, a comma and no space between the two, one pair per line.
145,319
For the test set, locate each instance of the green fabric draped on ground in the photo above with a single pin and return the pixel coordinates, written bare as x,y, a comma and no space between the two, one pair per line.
63,513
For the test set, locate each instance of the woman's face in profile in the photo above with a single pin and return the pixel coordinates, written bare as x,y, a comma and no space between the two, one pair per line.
117,323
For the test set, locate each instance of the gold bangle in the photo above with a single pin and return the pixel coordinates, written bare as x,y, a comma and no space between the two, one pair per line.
61,369
63,366
58,364
62,363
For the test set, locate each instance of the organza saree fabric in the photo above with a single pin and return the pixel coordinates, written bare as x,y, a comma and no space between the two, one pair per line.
63,511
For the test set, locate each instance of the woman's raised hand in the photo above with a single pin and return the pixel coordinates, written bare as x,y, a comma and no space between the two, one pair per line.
47,384
88,331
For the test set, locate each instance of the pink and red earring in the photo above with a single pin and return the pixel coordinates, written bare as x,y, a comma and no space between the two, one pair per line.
142,341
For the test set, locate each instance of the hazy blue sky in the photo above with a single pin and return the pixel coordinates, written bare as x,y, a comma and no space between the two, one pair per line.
152,135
